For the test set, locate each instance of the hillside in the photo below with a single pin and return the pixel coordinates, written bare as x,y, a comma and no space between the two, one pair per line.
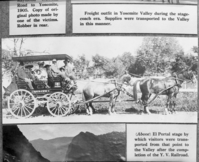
53,149
16,148
89,147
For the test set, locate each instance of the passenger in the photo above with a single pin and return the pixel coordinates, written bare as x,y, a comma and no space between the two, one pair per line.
29,72
55,69
63,74
41,74
69,71
48,70
24,76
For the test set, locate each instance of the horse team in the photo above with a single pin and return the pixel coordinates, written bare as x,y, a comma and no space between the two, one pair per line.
168,86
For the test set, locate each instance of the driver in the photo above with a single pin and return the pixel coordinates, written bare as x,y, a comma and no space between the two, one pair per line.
69,72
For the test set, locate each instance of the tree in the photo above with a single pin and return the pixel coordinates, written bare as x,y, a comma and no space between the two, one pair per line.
15,49
183,62
81,65
127,59
113,67
156,53
138,68
195,49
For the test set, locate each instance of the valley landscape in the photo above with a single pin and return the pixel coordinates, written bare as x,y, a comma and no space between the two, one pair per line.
85,146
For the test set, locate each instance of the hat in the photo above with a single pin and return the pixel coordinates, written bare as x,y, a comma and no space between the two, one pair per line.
41,63
21,63
66,60
61,68
46,65
54,60
29,66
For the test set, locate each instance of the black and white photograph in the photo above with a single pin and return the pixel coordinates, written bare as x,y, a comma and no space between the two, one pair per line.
99,79
64,142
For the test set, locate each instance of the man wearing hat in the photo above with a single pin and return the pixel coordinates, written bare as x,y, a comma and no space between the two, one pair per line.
55,68
23,75
69,71
29,72
41,74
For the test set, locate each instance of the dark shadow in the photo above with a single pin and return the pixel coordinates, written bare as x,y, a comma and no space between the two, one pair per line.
40,111
133,110
136,111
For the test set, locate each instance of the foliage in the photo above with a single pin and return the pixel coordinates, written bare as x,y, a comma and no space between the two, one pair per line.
127,59
81,64
195,49
138,68
184,62
113,67
7,64
155,53
16,51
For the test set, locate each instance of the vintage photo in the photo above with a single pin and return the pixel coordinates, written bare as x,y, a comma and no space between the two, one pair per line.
64,142
99,79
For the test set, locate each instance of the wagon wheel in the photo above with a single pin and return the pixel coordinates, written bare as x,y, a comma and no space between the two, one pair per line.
21,103
58,104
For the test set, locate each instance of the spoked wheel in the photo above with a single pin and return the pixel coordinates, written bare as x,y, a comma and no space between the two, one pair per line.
58,104
21,103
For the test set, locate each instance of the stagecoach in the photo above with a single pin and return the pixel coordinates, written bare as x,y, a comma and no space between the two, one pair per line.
57,97
23,101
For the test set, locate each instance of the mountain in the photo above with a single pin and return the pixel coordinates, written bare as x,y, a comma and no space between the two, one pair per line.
16,148
53,149
89,147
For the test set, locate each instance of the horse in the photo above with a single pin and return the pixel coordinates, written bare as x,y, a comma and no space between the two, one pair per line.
168,86
95,89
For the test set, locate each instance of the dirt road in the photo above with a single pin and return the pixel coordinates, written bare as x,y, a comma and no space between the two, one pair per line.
179,117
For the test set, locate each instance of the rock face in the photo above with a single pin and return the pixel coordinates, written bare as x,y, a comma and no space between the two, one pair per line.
16,148
54,149
89,147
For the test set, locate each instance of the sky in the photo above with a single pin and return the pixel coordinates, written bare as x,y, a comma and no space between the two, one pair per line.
50,131
106,46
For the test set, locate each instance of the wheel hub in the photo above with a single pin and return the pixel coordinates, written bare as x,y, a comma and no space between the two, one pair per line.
59,104
21,104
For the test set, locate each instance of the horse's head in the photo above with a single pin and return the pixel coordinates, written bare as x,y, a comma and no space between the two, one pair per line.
126,78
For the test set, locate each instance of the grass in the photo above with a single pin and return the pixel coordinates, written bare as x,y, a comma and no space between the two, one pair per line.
185,102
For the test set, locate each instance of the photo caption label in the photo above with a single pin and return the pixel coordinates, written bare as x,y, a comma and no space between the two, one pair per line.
156,142
37,17
134,19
